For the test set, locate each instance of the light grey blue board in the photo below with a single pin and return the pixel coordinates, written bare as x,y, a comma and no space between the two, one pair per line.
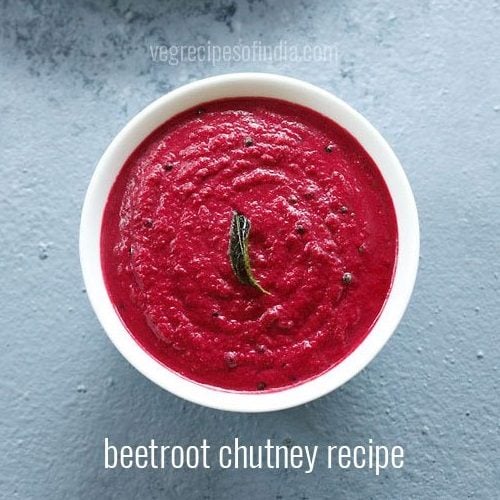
426,74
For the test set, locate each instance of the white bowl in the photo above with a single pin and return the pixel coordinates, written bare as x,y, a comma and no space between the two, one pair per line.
237,85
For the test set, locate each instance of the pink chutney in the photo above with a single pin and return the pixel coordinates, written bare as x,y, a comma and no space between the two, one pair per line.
323,242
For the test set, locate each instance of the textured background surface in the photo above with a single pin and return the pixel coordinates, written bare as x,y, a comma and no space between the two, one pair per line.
73,73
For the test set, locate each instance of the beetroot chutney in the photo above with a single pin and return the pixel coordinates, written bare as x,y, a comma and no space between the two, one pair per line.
323,243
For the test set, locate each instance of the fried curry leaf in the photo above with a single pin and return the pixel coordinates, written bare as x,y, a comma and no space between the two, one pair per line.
238,251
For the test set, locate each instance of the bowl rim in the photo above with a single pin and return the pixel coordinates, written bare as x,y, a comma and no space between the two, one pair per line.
249,85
